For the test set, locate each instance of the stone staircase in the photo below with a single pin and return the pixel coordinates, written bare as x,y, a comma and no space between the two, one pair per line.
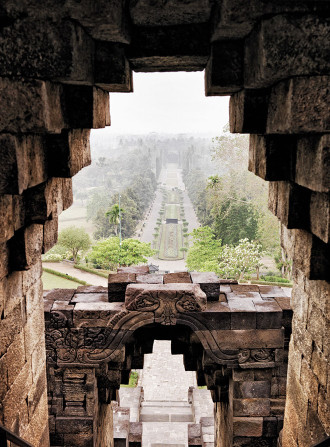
160,420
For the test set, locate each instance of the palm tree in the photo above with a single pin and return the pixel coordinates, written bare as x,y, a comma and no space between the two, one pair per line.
114,215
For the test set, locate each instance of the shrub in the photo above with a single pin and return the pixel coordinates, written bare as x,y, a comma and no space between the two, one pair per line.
270,278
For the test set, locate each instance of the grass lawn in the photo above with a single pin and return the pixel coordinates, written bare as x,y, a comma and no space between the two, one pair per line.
56,282
172,212
75,215
171,242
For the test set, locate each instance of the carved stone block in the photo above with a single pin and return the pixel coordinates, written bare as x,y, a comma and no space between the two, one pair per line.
89,298
138,269
243,313
6,218
105,20
272,157
112,70
95,314
187,48
247,426
30,106
26,247
252,389
313,162
209,283
167,301
251,407
117,283
248,111
288,202
151,278
268,60
169,13
41,49
269,314
59,294
320,216
250,338
299,105
23,163
224,70
179,277
91,289
50,234
86,107
68,152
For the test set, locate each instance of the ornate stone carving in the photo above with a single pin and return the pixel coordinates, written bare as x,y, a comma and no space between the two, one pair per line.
256,355
165,300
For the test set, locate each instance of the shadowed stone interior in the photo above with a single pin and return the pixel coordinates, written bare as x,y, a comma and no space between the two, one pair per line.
58,61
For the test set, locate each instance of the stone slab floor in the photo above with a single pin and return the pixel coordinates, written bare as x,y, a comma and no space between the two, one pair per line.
165,412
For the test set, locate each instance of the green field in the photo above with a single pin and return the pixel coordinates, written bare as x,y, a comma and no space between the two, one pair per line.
56,282
171,242
75,215
172,212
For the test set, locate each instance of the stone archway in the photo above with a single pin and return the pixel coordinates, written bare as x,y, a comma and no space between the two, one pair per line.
57,64
237,344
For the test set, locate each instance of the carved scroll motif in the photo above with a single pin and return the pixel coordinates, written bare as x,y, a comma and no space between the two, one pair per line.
256,355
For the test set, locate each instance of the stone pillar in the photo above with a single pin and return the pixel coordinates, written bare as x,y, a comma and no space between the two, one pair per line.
46,72
286,109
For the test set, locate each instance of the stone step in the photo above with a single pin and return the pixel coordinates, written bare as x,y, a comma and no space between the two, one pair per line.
166,414
164,403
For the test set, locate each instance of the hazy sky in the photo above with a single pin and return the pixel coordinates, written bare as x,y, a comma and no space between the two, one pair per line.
170,103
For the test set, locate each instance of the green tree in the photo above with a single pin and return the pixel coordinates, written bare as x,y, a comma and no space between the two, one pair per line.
115,214
75,239
235,219
203,254
108,254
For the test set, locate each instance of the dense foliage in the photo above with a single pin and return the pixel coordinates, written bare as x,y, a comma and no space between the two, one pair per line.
207,253
134,200
233,202
75,240
108,253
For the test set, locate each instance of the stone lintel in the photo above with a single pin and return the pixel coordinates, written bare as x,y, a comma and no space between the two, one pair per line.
249,338
173,48
148,296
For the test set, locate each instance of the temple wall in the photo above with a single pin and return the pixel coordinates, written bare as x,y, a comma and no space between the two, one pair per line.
57,65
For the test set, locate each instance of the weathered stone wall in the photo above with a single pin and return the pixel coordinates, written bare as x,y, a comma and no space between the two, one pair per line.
57,63
234,336
48,104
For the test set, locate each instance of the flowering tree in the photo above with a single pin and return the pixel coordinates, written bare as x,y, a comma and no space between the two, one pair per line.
208,255
240,259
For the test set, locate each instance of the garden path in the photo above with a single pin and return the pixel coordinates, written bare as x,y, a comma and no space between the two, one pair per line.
150,222
68,269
